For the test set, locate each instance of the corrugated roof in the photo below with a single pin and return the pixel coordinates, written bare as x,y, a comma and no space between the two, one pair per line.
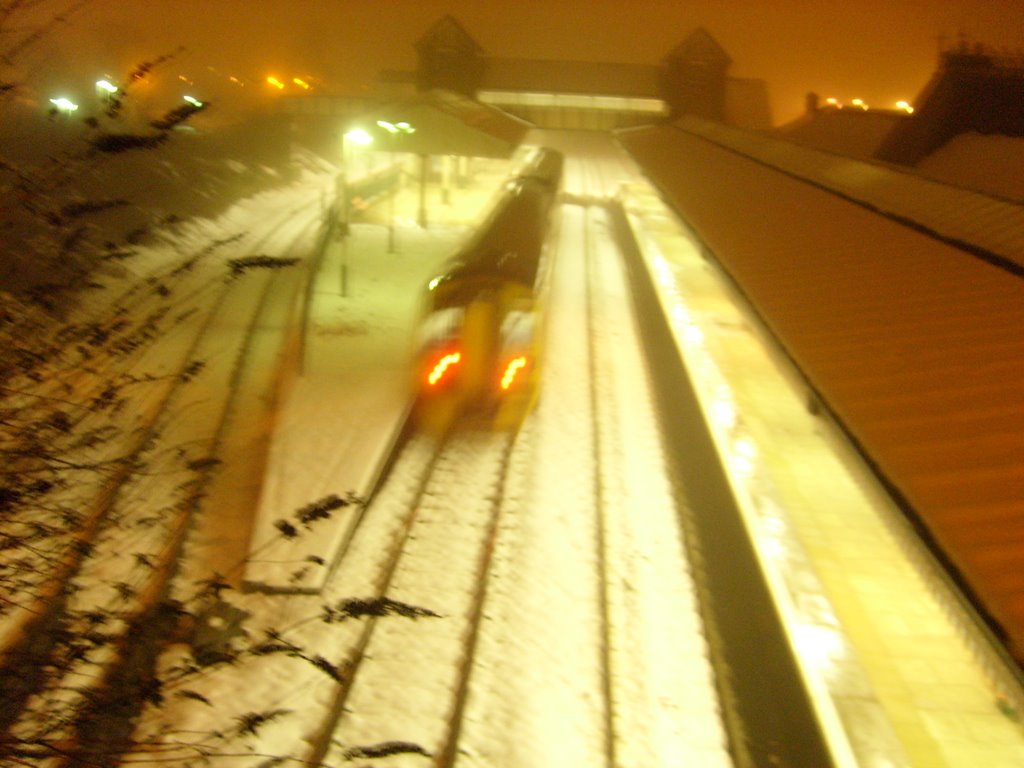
914,343
448,123
850,132
987,223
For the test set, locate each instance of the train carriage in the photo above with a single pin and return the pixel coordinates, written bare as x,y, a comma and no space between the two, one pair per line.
479,339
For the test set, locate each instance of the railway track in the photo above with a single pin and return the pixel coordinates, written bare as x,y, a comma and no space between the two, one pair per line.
71,658
437,521
516,601
536,608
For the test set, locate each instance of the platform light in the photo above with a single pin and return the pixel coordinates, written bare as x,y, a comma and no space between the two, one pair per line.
396,128
744,456
67,106
723,411
194,101
106,86
905,106
859,103
275,82
359,136
301,83
832,101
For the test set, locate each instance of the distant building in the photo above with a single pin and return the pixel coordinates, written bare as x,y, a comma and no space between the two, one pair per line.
973,90
851,132
692,80
449,59
693,77
966,129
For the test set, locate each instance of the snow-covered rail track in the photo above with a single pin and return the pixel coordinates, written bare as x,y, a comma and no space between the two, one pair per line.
80,649
568,630
438,571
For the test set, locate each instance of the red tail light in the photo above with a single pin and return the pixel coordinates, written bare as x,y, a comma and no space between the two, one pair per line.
514,371
442,370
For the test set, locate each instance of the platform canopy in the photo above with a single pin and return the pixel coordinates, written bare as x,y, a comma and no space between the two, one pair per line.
446,123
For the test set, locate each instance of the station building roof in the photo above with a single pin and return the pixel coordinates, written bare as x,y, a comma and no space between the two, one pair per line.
584,77
901,300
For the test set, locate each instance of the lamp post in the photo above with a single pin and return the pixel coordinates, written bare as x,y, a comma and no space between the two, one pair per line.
394,131
355,137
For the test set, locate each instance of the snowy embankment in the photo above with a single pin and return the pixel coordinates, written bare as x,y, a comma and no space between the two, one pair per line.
115,419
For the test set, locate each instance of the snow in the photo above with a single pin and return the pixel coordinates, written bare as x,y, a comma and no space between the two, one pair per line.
988,163
567,668
533,688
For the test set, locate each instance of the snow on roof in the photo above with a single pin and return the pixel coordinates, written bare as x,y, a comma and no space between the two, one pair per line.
851,132
984,162
952,213
913,342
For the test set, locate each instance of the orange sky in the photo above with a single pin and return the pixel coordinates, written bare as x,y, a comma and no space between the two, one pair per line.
877,50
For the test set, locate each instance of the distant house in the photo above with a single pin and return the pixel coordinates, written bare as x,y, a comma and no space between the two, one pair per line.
853,132
972,91
967,127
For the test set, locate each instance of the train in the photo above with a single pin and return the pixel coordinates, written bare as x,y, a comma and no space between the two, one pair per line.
478,342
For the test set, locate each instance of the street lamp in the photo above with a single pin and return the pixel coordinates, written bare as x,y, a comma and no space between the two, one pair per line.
355,137
64,106
105,89
394,130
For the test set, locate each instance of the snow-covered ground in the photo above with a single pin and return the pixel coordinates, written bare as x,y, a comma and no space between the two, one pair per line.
565,543
590,643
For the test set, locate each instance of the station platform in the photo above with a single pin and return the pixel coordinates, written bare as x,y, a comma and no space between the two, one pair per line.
899,668
345,392
900,672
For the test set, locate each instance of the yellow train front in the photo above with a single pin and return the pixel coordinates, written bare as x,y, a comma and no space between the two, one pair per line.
479,340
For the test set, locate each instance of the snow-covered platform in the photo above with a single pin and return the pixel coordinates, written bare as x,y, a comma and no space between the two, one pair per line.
345,391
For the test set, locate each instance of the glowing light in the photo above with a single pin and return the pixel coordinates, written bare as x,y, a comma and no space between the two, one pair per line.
905,106
859,103
275,82
301,83
680,315
442,367
396,128
744,458
359,136
724,412
511,371
106,85
820,645
64,105
833,102
692,334
193,101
